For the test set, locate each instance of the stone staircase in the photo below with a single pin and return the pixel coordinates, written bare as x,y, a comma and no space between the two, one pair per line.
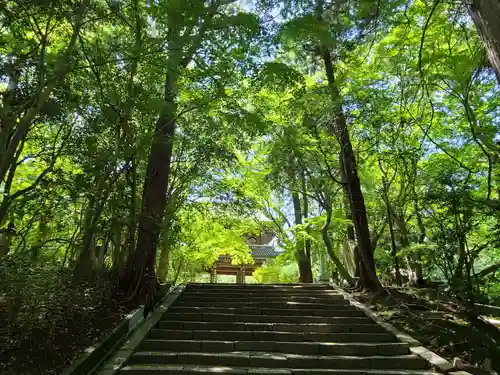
269,329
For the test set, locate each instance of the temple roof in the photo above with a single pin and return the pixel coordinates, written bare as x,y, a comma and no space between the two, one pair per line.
263,252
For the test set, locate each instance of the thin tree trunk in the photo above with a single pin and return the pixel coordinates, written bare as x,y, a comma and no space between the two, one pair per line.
462,255
421,238
86,260
303,261
11,136
391,231
164,263
305,210
486,17
132,224
116,230
43,231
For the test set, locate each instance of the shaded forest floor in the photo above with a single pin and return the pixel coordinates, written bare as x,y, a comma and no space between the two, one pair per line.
41,354
441,324
47,322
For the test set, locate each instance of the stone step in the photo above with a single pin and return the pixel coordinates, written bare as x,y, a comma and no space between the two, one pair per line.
177,334
207,369
259,290
302,319
338,311
317,348
257,286
269,329
256,298
266,304
279,361
368,327
281,292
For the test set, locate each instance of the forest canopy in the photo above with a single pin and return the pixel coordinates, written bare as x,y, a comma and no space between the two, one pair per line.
144,139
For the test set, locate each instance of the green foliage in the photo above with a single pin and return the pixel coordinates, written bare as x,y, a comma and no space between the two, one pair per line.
83,87
277,271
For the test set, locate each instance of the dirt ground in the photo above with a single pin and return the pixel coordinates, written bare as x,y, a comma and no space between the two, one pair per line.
441,324
39,354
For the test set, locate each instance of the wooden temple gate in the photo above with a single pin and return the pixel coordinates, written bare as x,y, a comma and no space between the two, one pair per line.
223,266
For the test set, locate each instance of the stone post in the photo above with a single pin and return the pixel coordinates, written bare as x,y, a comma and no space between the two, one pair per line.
240,278
323,275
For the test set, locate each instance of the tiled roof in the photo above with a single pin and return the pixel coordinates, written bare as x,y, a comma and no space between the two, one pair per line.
263,252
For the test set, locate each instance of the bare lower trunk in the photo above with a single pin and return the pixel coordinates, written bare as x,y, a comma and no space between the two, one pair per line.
329,247
304,263
303,260
164,263
86,259
486,17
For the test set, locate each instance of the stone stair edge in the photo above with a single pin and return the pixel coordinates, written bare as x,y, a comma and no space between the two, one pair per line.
274,332
281,360
221,317
368,327
94,357
263,370
389,349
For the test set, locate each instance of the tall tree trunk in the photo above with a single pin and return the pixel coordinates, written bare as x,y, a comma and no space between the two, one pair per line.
128,133
486,14
303,261
369,279
140,277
